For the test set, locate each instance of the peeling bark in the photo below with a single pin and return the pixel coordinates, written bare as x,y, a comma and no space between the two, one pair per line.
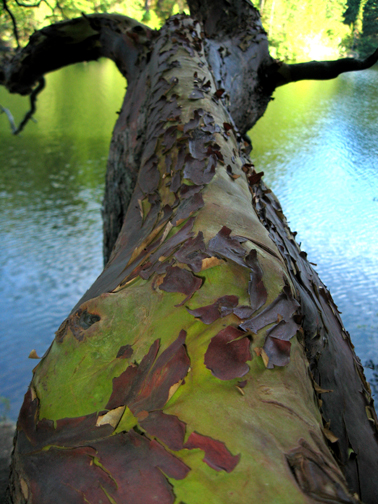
207,362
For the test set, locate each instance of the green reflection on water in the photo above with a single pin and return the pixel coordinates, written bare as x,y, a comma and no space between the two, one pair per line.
65,152
288,123
51,186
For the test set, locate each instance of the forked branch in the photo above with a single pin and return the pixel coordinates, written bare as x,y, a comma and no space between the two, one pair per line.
29,115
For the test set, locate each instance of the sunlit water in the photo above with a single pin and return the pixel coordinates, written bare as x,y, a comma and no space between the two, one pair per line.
317,145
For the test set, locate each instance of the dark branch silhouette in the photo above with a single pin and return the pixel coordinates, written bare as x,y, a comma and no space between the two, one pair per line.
321,70
14,23
29,115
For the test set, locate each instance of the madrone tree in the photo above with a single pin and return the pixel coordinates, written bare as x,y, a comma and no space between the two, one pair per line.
208,362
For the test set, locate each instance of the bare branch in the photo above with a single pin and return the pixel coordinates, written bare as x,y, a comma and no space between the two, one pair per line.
320,70
29,115
15,30
8,113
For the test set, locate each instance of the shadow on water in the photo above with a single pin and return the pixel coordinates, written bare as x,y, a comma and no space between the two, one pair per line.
317,145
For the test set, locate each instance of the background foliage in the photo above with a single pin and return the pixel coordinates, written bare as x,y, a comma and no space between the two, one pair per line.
298,30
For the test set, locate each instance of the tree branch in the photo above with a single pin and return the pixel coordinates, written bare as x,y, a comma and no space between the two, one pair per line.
29,115
14,23
119,38
221,17
320,70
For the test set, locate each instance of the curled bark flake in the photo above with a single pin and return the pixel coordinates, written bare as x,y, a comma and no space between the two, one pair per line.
209,124
196,94
197,148
226,246
33,435
256,288
146,387
187,191
163,87
221,308
126,386
227,354
243,312
175,182
125,352
129,467
214,150
231,173
200,171
255,178
149,176
192,252
167,249
284,330
283,306
169,66
316,476
168,164
165,55
219,92
163,111
187,207
180,280
217,455
167,428
193,123
180,159
278,352
169,138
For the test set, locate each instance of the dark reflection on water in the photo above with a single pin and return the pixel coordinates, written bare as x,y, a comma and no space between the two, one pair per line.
317,145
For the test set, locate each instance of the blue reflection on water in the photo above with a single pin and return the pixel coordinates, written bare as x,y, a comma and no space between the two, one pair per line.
324,170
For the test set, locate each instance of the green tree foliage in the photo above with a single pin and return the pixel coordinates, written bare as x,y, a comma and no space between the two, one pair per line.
31,16
300,31
352,11
369,36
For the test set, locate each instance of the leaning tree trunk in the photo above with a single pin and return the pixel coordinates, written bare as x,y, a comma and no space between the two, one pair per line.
207,363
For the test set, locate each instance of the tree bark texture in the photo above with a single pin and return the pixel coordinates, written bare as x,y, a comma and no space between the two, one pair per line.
208,362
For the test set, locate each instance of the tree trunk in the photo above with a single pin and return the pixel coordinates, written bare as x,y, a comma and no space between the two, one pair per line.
207,363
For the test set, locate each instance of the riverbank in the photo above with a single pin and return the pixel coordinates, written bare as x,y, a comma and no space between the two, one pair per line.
7,429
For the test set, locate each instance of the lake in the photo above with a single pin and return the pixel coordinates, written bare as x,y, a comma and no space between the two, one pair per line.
317,145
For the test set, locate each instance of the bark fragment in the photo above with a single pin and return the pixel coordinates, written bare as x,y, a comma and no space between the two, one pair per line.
217,455
227,354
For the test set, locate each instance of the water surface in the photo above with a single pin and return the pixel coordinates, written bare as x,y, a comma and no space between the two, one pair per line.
317,145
